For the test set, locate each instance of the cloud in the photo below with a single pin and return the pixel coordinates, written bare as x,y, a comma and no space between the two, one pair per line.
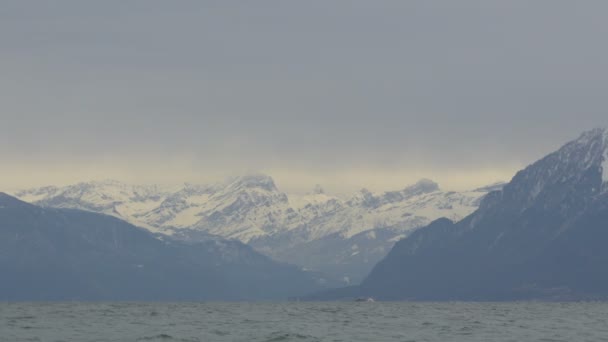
316,88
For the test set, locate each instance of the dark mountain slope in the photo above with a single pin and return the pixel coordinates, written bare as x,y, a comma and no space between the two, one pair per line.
57,254
543,236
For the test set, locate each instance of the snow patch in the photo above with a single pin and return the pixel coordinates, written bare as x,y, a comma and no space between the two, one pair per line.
250,207
397,238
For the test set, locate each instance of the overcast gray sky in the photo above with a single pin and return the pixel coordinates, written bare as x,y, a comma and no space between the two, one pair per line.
342,93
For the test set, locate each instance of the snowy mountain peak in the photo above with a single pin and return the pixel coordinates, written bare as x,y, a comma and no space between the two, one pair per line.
251,206
572,174
318,190
363,197
106,182
588,136
422,186
254,181
589,151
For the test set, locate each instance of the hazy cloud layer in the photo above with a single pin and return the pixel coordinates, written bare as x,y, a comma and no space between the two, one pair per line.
312,91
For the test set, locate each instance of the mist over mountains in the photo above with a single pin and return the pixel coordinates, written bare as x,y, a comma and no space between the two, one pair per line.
540,236
341,237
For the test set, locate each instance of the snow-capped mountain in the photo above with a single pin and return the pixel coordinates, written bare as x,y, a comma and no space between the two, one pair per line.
544,235
361,229
127,202
348,237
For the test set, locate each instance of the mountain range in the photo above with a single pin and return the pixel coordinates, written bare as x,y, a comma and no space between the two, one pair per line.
67,254
341,237
542,236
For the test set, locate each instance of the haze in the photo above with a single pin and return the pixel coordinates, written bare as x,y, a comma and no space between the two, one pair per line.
345,94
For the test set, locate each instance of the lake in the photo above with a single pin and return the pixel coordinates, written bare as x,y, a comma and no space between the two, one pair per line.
291,321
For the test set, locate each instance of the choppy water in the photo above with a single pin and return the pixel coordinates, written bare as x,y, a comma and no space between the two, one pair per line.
84,322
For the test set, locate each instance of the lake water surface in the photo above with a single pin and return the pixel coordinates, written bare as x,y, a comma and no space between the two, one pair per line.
392,321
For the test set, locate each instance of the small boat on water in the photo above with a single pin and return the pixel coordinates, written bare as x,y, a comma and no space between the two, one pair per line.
365,299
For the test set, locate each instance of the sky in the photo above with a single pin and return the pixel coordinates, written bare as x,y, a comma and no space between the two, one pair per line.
346,94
